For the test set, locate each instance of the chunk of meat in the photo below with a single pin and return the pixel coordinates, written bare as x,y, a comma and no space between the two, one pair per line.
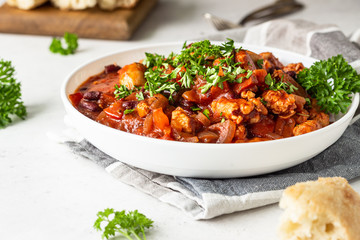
181,121
226,131
233,109
245,60
270,61
157,101
259,106
240,133
306,127
284,77
300,102
293,67
262,128
196,94
322,118
246,84
184,137
132,75
301,116
279,102
208,136
255,58
284,127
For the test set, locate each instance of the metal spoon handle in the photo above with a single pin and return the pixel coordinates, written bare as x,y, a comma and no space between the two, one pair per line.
280,8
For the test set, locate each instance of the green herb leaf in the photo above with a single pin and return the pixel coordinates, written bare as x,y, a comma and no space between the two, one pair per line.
206,112
140,96
195,109
10,95
331,82
71,40
227,47
131,225
260,63
122,91
276,86
197,60
127,111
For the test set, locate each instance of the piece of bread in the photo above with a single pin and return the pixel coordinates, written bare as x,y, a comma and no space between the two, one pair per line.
326,209
112,4
73,4
25,4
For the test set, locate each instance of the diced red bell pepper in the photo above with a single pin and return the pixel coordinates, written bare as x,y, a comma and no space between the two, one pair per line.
114,110
75,98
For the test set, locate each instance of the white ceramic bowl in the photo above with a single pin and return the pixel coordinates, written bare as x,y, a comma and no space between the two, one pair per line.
198,159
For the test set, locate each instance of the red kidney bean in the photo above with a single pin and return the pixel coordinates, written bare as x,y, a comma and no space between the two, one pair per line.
91,106
292,74
130,104
92,95
111,68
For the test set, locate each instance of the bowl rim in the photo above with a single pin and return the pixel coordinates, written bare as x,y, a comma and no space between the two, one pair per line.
351,110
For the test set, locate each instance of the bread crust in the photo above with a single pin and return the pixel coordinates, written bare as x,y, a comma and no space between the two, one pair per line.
328,203
26,4
112,4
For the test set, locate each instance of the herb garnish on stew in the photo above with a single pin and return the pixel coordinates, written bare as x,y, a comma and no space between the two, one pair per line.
212,93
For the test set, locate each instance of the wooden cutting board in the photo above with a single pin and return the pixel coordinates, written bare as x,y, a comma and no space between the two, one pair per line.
119,24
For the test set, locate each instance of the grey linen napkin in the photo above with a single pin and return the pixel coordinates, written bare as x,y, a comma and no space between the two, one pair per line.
208,198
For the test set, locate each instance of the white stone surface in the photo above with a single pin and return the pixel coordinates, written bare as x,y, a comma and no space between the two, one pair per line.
47,192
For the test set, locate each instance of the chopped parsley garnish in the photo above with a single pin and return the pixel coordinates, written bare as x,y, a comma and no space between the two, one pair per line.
193,61
127,111
122,91
195,109
140,96
260,63
280,85
206,112
331,82
263,101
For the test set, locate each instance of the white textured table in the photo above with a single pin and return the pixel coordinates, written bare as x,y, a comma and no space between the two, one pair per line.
46,192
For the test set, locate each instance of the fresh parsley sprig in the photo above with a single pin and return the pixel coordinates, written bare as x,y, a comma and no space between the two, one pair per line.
331,82
10,95
71,41
131,225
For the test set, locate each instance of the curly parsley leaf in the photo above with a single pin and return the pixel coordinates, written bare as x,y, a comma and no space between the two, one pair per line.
10,95
131,225
331,82
71,40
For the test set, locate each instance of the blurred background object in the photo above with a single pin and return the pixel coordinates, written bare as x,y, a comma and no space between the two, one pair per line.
275,10
186,16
